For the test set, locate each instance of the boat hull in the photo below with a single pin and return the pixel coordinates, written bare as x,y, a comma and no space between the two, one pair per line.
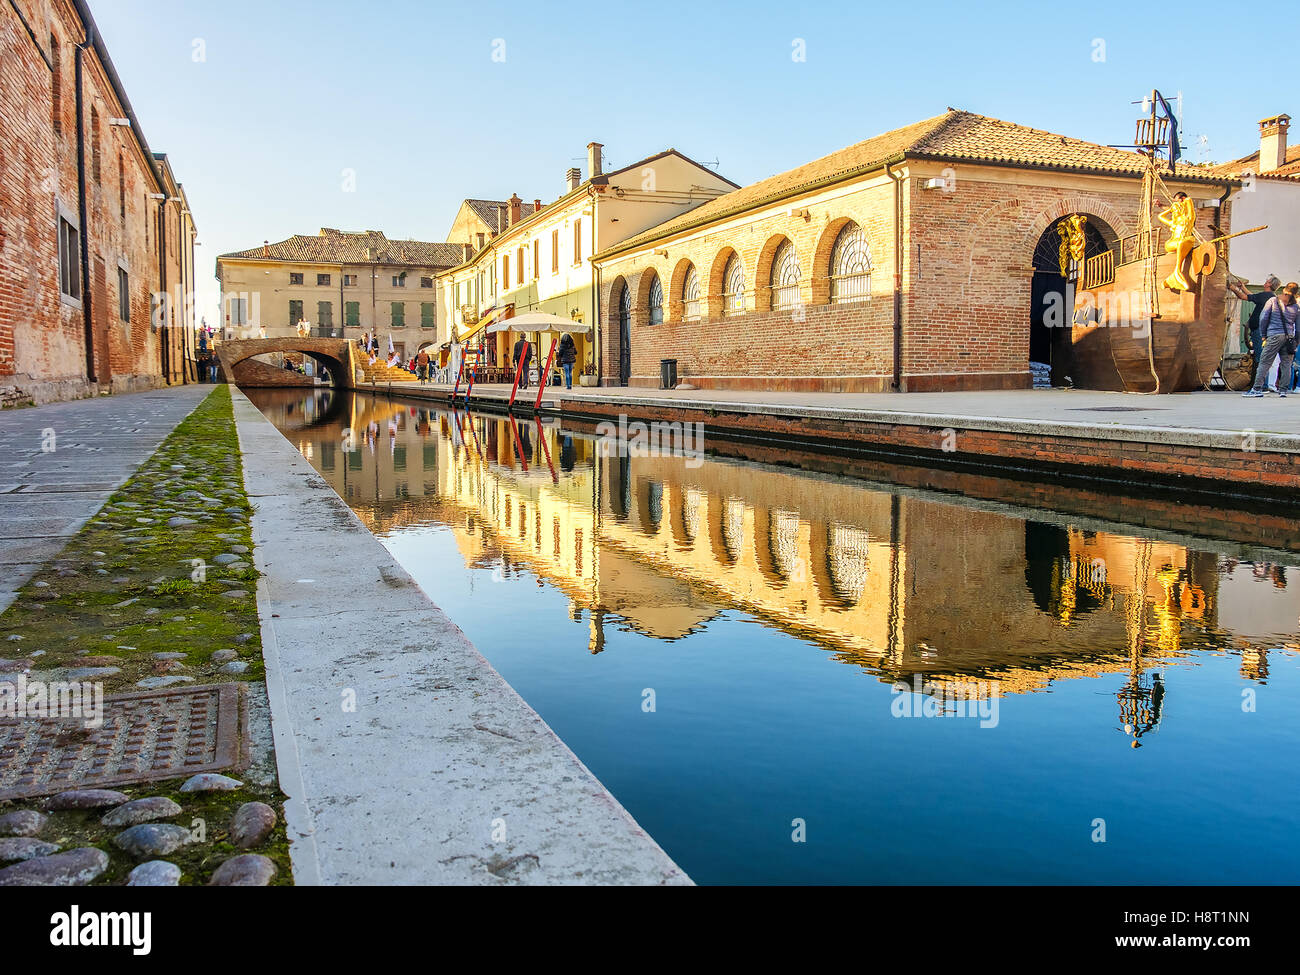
1118,344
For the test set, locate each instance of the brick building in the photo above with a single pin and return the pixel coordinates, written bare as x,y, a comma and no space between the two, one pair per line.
921,259
94,228
341,282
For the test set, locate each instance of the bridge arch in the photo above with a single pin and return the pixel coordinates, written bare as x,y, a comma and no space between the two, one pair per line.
335,354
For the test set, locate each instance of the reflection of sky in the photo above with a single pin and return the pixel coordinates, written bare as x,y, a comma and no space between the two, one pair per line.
758,721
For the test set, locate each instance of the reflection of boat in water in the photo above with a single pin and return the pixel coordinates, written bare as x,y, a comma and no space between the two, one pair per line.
1149,313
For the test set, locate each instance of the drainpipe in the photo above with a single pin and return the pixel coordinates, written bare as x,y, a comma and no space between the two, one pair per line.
88,322
162,286
597,332
897,383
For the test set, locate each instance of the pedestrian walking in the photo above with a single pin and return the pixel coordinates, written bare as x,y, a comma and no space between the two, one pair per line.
1277,327
568,356
1257,299
524,352
422,366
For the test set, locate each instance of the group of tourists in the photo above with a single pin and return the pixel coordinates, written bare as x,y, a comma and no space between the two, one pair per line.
1272,326
566,354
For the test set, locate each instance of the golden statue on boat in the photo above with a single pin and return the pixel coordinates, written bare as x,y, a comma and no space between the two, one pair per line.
1150,317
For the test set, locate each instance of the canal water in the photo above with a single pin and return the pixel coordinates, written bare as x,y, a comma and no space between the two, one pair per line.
792,676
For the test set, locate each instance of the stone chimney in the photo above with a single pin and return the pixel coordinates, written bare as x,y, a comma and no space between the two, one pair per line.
266,248
501,219
572,178
516,209
537,206
593,159
469,251
1272,142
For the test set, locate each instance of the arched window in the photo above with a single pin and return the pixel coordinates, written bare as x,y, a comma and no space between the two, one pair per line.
850,266
733,287
785,277
656,301
691,295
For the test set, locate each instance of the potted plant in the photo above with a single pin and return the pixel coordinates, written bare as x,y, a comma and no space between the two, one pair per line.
588,375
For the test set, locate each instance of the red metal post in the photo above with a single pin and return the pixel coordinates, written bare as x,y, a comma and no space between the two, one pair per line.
545,376
470,388
460,371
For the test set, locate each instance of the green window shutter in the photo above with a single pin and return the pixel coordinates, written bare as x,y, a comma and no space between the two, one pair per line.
426,314
399,314
325,314
352,312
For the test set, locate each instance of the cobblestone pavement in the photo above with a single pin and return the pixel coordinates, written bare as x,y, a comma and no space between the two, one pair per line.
59,464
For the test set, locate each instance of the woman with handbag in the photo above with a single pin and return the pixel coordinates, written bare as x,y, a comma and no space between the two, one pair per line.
1277,328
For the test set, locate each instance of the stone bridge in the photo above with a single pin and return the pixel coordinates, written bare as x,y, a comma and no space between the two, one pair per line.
336,355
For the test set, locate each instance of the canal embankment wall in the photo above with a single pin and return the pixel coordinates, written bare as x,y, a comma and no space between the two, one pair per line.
407,758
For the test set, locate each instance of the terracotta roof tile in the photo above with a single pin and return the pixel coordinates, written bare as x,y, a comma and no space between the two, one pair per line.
1250,164
954,136
366,247
486,210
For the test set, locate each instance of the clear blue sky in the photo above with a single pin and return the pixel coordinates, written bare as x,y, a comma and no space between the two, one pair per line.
407,94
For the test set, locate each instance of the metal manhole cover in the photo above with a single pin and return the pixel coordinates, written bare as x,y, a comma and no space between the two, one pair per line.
144,737
1117,409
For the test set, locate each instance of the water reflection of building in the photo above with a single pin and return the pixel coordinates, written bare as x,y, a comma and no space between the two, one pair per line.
898,583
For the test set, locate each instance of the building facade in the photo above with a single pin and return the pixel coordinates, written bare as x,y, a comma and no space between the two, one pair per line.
540,257
921,259
89,218
340,283
1270,196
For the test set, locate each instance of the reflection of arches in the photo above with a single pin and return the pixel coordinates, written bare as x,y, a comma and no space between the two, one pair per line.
726,528
620,486
686,516
776,545
841,557
1054,582
650,505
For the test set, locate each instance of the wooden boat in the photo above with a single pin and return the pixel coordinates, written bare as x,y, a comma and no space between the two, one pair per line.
1149,314
1127,335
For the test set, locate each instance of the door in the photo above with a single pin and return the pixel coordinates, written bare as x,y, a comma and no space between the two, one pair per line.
625,336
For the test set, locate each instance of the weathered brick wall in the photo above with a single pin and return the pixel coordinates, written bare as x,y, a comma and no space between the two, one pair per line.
969,272
842,347
966,281
42,335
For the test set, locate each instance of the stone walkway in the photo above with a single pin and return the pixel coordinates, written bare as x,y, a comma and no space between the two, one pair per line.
46,495
1053,410
407,759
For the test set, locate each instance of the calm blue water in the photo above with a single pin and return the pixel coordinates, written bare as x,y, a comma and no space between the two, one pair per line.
720,641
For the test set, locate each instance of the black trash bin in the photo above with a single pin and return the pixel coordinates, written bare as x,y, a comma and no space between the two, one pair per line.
667,373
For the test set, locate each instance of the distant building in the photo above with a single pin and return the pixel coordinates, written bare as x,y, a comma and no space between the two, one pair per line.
539,257
921,259
94,227
1269,194
478,221
342,283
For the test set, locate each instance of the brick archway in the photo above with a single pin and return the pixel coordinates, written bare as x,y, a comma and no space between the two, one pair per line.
1115,223
336,354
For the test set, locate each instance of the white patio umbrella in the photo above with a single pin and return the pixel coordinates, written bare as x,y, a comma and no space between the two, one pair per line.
539,321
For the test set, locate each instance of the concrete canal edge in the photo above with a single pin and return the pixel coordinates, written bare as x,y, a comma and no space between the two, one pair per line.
406,757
